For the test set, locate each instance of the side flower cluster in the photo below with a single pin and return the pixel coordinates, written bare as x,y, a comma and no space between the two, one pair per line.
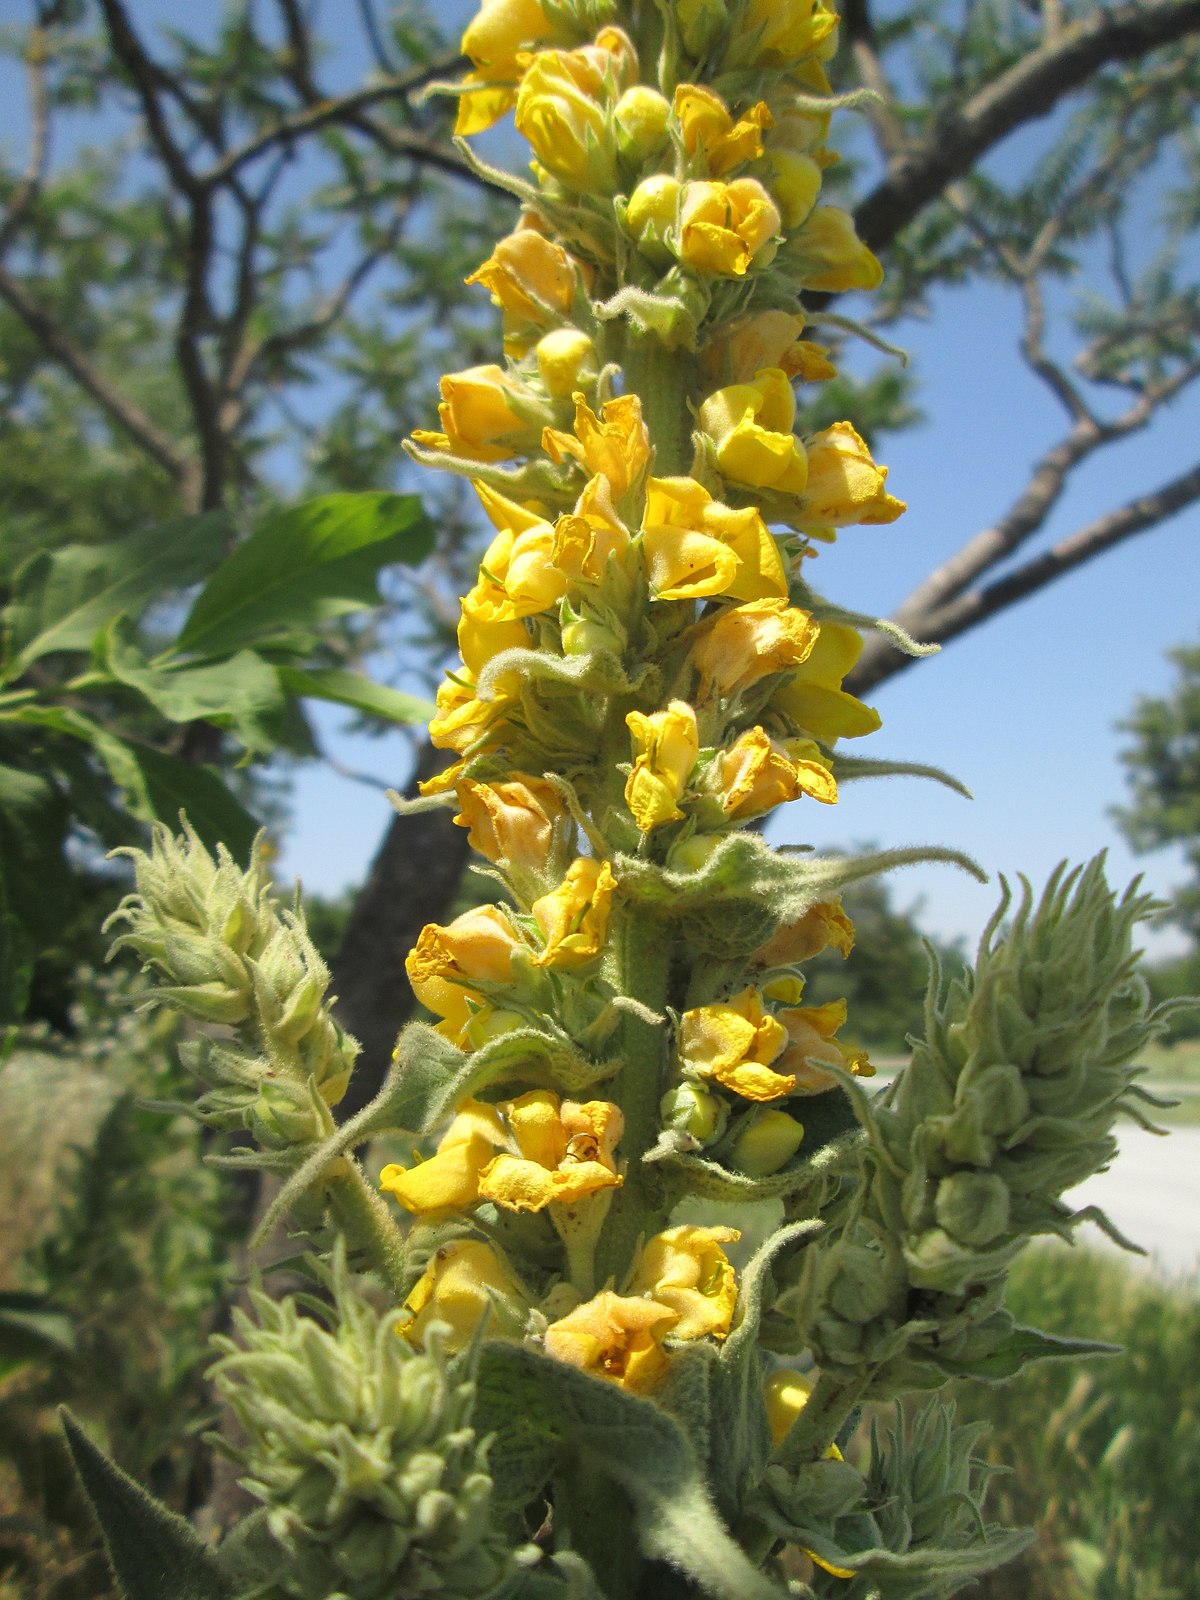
644,672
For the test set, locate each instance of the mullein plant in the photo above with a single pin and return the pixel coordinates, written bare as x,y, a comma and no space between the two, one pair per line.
531,1371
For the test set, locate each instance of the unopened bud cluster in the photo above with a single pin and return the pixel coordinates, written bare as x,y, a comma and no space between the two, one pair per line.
1009,1102
224,954
361,1449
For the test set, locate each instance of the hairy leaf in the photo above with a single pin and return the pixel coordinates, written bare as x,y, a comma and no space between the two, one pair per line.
155,1555
63,598
302,566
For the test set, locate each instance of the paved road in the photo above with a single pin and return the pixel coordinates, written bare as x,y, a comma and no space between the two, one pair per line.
1152,1193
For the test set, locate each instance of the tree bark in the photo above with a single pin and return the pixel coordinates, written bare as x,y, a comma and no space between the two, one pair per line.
412,881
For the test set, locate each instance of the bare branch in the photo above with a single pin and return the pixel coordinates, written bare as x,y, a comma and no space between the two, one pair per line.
181,468
148,78
30,185
880,660
347,108
880,113
1025,92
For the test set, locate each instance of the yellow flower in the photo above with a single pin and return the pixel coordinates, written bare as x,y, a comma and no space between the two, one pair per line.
822,925
724,228
749,642
563,105
565,359
686,1269
477,419
615,444
497,41
735,1043
465,1282
810,1032
461,719
750,425
530,276
585,538
449,1180
706,125
574,917
758,773
795,183
565,1153
844,484
834,258
665,747
615,1338
813,698
489,623
748,343
696,547
783,32
516,565
768,1140
510,822
445,962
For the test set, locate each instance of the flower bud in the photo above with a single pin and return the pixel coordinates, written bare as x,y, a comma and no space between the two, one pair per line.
765,1141
651,213
641,116
566,361
586,636
694,1110
413,1516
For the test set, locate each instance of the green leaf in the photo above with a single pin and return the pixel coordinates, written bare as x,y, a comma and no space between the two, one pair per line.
603,1431
157,787
154,1554
303,566
351,689
166,787
242,692
35,878
30,1327
63,598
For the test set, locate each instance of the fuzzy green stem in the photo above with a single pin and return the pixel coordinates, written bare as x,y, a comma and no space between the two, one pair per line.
364,1214
817,1426
659,378
640,960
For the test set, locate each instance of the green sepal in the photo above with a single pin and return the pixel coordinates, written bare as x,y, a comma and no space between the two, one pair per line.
154,1554
746,890
923,1574
739,1443
848,768
565,1576
1019,1349
592,1425
698,1175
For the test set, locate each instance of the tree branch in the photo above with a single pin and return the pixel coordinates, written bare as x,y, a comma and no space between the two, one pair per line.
881,660
181,468
1025,92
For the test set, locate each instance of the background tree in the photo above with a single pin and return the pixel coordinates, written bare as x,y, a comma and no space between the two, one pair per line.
1163,765
238,299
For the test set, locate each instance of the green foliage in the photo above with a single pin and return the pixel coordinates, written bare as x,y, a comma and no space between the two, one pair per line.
1163,767
114,1264
92,696
155,1554
1109,1452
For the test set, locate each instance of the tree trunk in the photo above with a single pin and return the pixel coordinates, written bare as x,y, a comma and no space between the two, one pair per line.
412,881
